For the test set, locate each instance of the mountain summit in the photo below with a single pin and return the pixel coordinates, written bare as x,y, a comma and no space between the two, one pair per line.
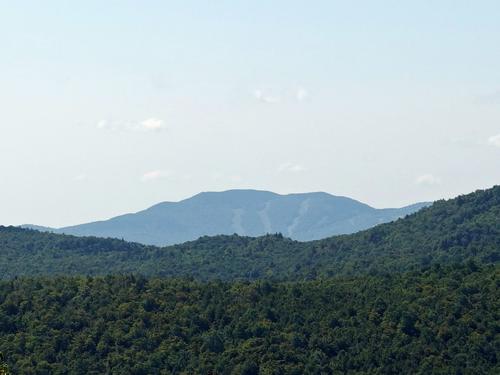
306,216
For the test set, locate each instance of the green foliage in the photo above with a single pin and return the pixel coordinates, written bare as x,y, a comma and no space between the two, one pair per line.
441,320
448,232
4,370
420,296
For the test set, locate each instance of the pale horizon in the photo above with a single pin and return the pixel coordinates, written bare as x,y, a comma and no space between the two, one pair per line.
112,108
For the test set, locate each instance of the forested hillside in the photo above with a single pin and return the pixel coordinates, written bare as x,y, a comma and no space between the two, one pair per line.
453,231
442,320
420,295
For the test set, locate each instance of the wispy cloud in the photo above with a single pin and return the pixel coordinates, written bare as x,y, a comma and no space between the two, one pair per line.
154,175
151,124
273,95
266,96
494,140
301,94
103,124
428,180
291,167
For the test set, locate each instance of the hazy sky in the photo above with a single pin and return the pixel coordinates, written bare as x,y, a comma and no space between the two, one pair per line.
108,107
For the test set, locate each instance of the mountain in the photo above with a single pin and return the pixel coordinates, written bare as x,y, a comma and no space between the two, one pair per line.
459,230
303,217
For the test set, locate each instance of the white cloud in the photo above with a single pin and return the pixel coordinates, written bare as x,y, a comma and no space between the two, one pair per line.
154,175
301,94
494,140
151,124
291,167
428,179
266,97
273,95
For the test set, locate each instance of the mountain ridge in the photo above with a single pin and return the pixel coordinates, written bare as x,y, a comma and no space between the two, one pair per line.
247,212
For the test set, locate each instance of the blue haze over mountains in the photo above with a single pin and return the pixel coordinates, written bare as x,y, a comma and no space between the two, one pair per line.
304,217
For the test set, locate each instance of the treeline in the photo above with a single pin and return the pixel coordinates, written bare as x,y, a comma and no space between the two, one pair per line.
448,232
441,321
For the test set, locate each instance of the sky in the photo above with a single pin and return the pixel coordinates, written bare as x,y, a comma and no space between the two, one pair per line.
110,107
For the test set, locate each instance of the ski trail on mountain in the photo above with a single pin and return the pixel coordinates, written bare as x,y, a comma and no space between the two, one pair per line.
304,207
264,218
237,221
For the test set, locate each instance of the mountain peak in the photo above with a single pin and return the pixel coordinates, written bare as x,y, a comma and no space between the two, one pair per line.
300,216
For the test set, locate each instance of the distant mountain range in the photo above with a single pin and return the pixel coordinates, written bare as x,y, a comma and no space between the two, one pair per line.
304,217
457,231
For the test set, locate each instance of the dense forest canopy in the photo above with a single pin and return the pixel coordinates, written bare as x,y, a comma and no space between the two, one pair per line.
419,295
453,231
440,320
4,370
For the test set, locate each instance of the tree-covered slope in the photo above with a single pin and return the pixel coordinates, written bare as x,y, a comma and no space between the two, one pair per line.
442,321
453,231
447,232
